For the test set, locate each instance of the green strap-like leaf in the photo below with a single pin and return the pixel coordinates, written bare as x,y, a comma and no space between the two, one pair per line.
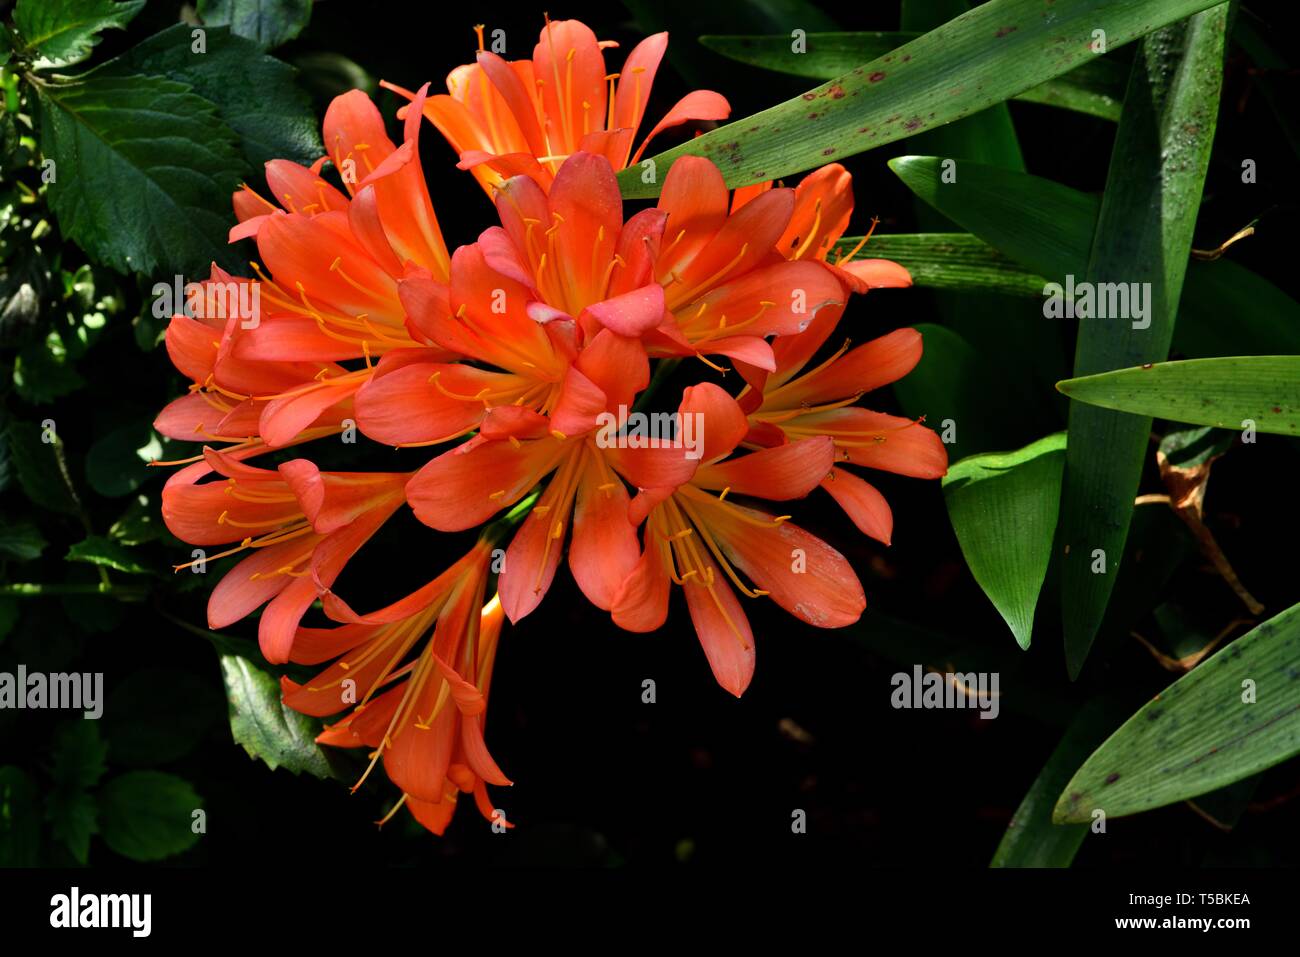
1003,508
1031,838
957,261
988,55
1257,392
1096,87
144,169
1048,228
1143,239
1043,225
1235,714
987,136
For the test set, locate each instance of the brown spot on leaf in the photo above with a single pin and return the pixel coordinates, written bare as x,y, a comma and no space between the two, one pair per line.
1004,31
837,92
1112,777
877,76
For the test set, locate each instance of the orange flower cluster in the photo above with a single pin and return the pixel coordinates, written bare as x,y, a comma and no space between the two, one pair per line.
520,359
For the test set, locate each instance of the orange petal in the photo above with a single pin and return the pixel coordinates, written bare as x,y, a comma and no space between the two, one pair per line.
419,402
457,490
862,503
604,549
633,313
722,422
641,602
880,441
804,575
722,628
354,136
784,472
869,366
568,62
696,105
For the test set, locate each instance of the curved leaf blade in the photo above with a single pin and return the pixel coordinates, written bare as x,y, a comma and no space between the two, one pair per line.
1229,393
1095,88
1031,838
983,57
957,261
1143,241
1048,228
1201,733
1003,508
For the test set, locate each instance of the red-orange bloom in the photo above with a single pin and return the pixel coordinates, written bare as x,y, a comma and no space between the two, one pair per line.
695,537
420,709
528,116
787,404
273,375
302,526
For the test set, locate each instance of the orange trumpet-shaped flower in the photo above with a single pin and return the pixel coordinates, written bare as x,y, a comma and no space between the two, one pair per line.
788,404
697,538
414,680
302,525
273,374
819,402
562,310
505,118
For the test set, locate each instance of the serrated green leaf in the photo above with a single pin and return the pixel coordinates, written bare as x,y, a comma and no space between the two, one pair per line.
37,465
1144,235
1003,508
65,31
144,172
20,541
268,23
255,94
1262,392
1201,733
118,462
148,815
97,550
43,372
269,731
140,523
988,55
1032,839
73,816
158,715
78,755
20,819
